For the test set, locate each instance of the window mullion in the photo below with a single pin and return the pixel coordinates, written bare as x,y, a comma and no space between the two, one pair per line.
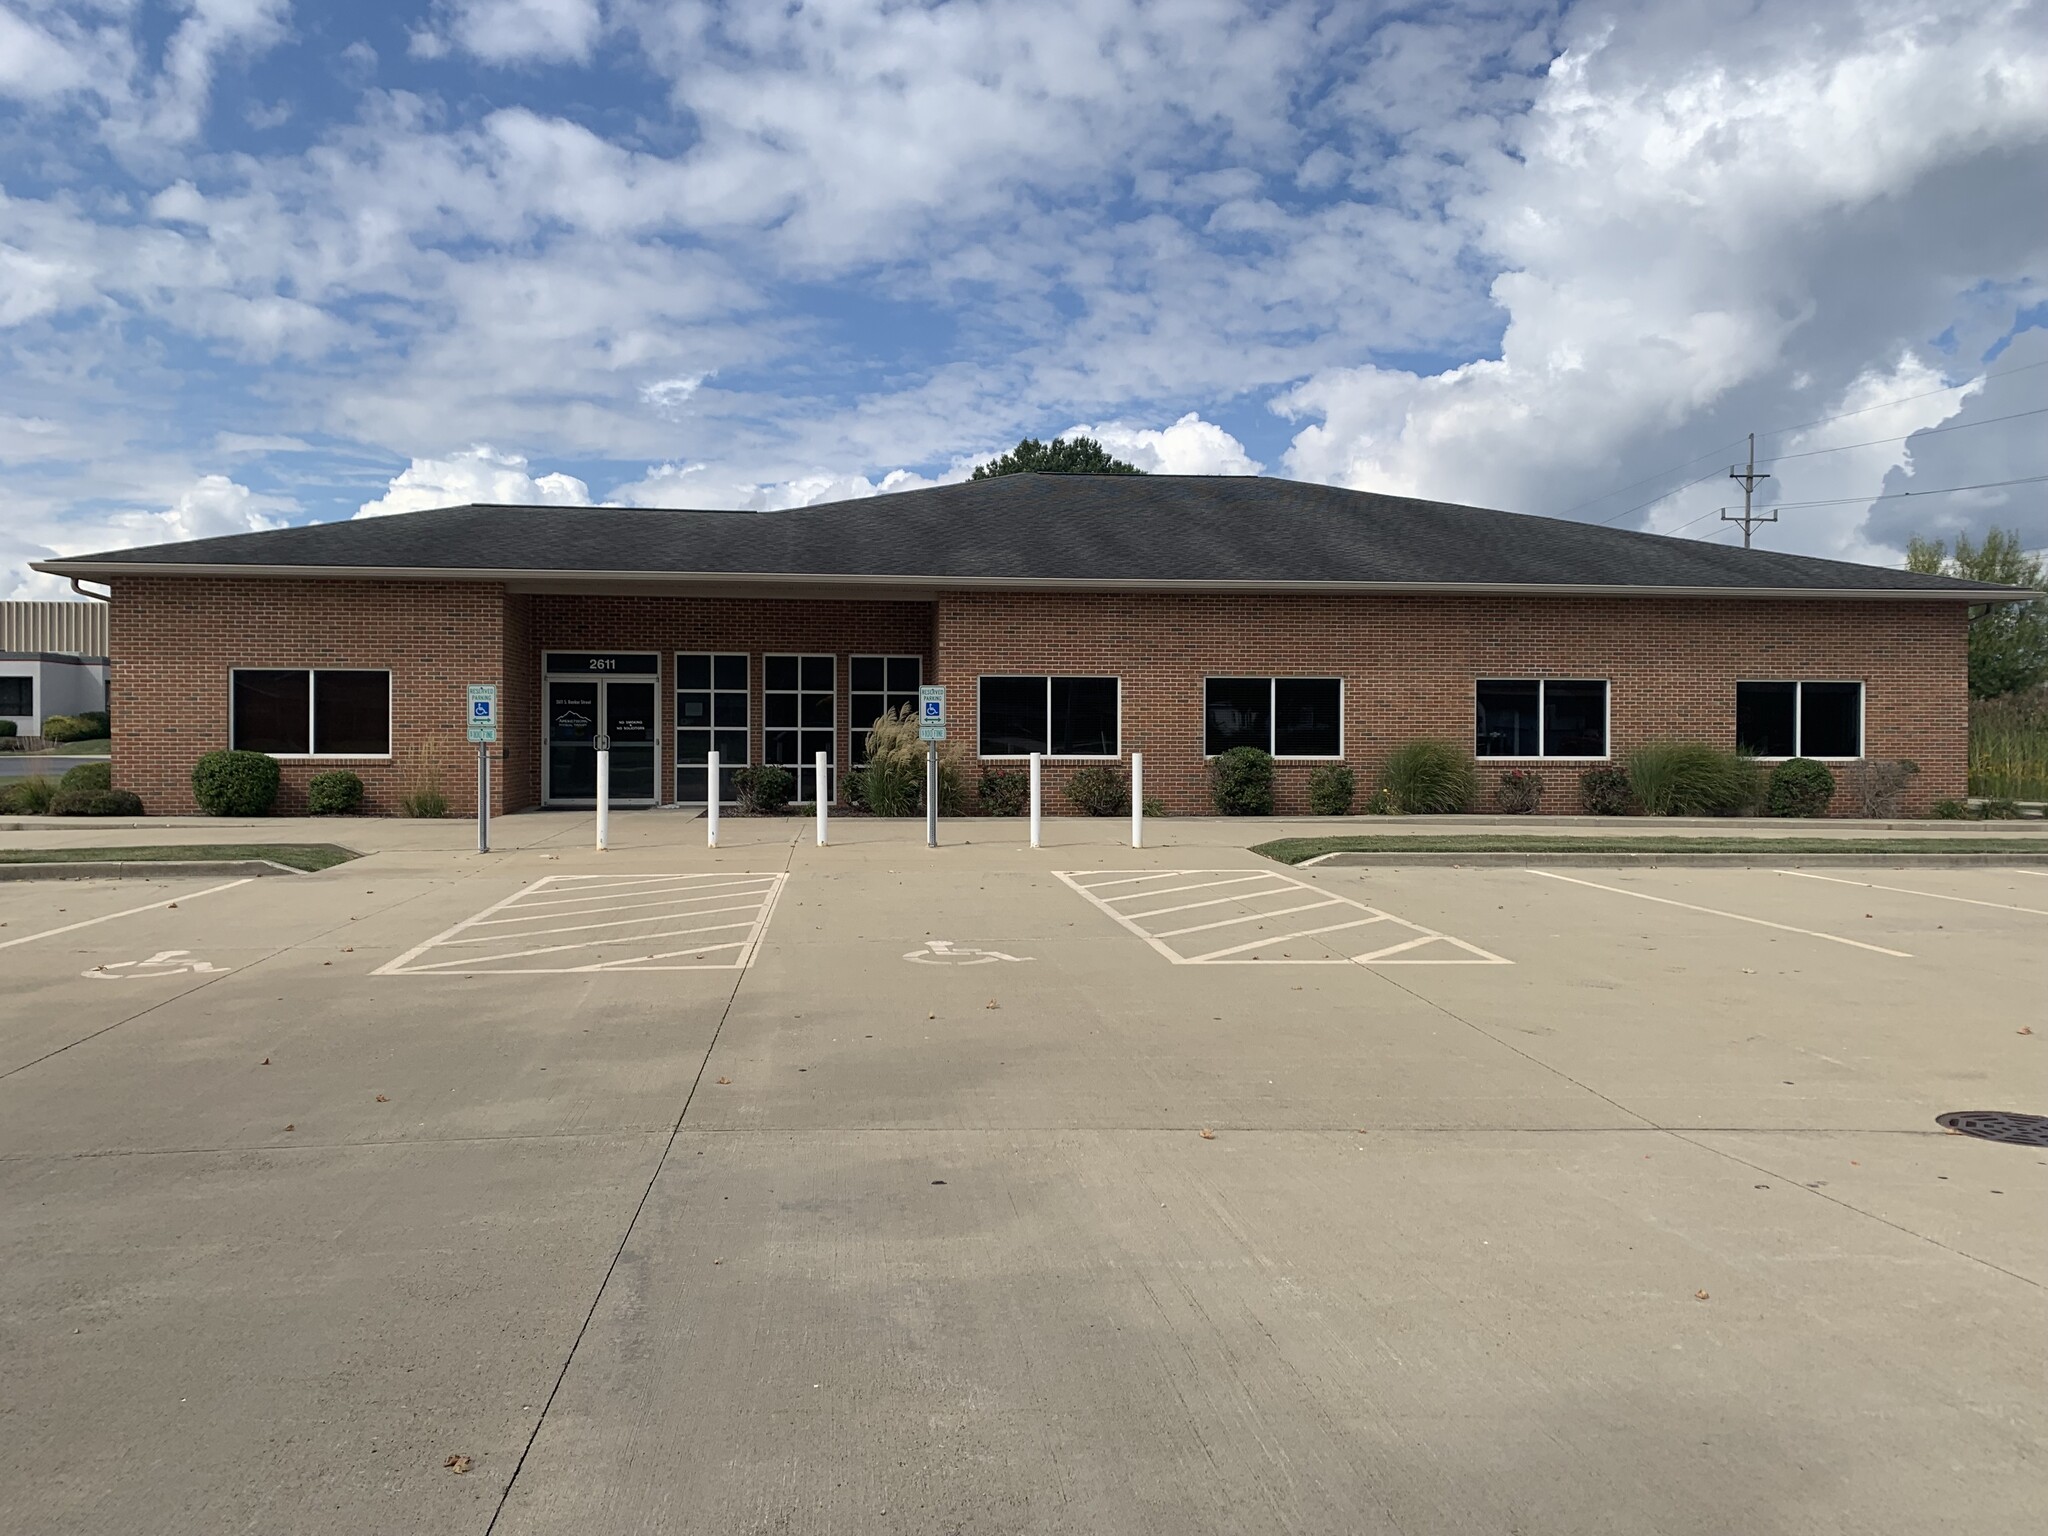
1542,718
312,713
1272,716
1798,718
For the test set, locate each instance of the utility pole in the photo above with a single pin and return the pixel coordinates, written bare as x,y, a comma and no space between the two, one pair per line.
1749,477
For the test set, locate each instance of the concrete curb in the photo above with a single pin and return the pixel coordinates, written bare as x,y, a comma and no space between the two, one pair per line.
1764,860
103,869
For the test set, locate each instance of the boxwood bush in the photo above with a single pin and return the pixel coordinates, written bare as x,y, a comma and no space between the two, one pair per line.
95,802
1100,790
1800,787
91,726
1431,778
8,727
1004,792
1241,782
1331,789
235,783
339,793
764,791
87,776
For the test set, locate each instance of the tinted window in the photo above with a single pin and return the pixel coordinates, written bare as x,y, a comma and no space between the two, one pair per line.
779,672
1308,717
1831,719
17,696
1574,719
1237,714
1012,716
270,712
1766,719
1508,719
1084,717
352,713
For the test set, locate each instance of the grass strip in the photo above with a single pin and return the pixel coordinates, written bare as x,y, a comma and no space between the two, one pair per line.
1293,850
306,856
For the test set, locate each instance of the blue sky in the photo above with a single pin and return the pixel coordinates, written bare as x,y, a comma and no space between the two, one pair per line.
264,262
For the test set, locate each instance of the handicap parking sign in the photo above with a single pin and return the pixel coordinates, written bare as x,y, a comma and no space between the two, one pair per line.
931,713
483,711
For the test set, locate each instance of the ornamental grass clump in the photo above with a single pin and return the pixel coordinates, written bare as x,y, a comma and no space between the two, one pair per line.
1799,786
1431,778
1690,778
1241,782
893,780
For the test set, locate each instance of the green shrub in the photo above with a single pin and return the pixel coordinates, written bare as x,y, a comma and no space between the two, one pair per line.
62,728
7,727
1877,787
1997,808
30,796
1004,792
339,793
1950,810
1154,806
1520,791
763,791
893,787
1690,778
425,799
98,719
1430,778
235,783
1100,790
1800,786
95,802
1331,789
1241,782
1604,791
88,776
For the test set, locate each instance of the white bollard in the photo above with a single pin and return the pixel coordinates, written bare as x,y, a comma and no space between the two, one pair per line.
604,798
1137,799
711,801
1037,796
823,794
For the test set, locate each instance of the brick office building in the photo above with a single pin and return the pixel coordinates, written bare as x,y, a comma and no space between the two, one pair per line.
1085,617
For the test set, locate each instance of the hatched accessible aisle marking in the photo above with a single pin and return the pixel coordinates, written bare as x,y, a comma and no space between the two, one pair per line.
1210,917
563,924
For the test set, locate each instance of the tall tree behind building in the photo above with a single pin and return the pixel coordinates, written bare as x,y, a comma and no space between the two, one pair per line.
1061,456
2008,643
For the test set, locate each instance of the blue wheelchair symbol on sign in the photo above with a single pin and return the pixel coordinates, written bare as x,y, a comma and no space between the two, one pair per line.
932,709
480,709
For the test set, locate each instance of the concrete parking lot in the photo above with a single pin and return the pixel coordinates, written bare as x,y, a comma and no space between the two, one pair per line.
878,1189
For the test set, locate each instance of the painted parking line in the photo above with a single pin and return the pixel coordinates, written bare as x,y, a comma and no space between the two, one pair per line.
168,901
1235,917
562,924
1871,885
1666,901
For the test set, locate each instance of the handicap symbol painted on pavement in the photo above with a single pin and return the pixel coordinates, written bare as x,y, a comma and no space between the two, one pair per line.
942,952
164,962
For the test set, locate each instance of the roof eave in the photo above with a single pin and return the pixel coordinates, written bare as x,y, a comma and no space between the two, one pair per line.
104,570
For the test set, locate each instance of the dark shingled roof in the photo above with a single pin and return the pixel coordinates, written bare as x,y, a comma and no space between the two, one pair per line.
1217,531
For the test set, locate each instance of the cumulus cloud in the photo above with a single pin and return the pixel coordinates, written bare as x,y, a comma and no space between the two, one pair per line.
203,507
1690,249
1191,446
524,31
479,474
699,486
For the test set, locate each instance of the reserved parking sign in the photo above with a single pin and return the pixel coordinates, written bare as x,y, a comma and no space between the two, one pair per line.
931,713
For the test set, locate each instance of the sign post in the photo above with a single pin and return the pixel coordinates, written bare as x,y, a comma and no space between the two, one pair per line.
931,730
483,730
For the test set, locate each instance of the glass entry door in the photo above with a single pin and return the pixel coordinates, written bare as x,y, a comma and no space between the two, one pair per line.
577,711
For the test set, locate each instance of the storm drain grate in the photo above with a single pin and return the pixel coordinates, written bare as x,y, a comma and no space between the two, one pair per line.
1998,1125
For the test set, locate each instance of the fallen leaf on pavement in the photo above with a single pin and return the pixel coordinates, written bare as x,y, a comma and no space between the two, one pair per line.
264,1062
1208,1135
2027,1031
291,1127
173,907
383,1098
991,1003
457,1464
1699,1295
725,1080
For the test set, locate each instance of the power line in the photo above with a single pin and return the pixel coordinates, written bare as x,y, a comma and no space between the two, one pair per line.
1676,469
1879,442
1946,490
1998,373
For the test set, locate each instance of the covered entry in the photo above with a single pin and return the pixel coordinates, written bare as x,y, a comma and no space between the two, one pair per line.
615,694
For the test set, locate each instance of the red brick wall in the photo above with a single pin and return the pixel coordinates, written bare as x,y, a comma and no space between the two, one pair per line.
175,638
1409,665
756,626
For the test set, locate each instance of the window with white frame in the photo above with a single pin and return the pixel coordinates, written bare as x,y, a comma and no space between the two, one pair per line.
798,719
711,714
1799,719
1541,717
1285,716
310,711
1059,716
874,686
